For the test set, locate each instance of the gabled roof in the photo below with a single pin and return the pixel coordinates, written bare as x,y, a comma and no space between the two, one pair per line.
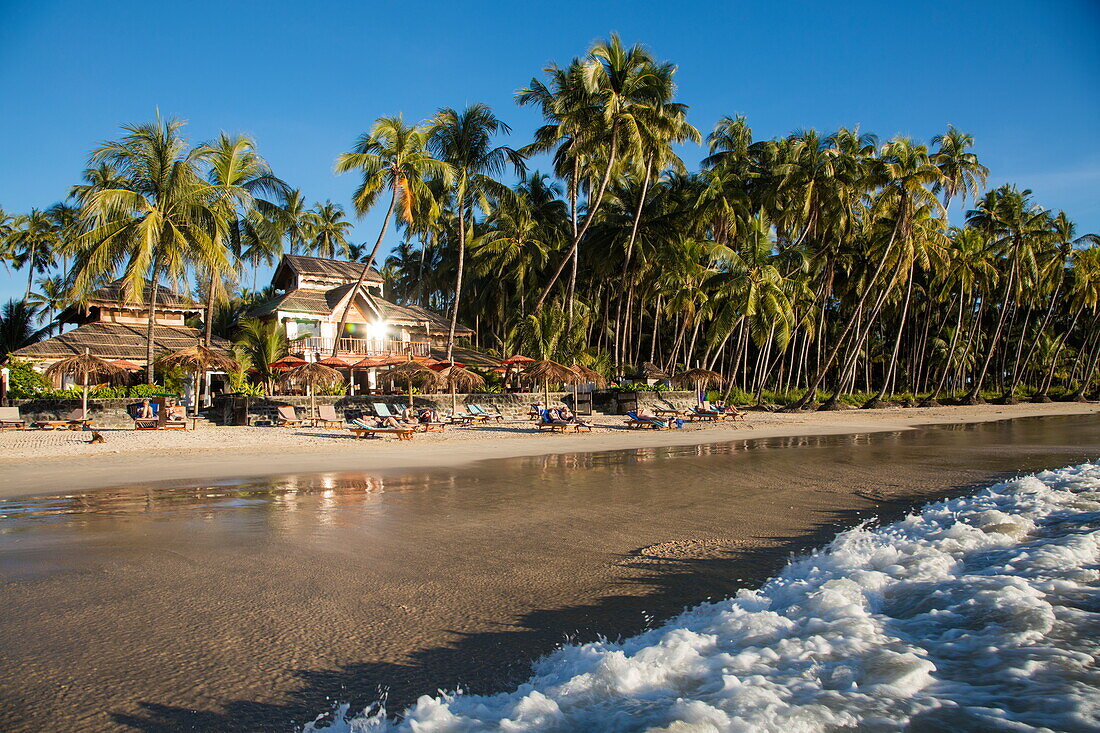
317,302
323,268
117,341
114,295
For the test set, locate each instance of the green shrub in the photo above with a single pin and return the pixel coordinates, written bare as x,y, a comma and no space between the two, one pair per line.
24,382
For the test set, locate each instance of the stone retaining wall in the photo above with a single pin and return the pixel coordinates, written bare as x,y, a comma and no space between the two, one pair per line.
107,413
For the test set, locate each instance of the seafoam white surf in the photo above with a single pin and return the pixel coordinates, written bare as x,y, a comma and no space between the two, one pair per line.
980,613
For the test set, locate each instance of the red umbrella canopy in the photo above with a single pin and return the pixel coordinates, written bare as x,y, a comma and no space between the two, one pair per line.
335,362
127,365
441,365
372,362
517,359
287,362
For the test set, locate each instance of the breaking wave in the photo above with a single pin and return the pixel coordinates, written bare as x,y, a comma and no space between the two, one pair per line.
979,613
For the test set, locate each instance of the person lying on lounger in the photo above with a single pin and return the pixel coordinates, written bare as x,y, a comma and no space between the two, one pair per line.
174,410
427,415
564,413
145,412
393,422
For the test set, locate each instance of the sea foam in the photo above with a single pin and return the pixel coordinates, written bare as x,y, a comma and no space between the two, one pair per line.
979,613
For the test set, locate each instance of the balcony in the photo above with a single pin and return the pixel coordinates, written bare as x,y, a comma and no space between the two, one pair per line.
361,347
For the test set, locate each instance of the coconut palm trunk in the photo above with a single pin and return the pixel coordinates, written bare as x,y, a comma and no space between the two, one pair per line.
363,273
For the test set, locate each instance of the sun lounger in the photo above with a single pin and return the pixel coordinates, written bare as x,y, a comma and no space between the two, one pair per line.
470,417
479,410
636,422
11,420
73,420
144,423
77,420
287,417
560,426
381,409
364,430
326,416
698,413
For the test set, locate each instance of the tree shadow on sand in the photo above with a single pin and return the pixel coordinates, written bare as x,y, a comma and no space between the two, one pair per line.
487,662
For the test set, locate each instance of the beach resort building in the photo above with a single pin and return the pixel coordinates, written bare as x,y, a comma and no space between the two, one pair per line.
112,325
313,294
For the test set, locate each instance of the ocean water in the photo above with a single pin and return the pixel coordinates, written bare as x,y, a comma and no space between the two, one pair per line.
979,613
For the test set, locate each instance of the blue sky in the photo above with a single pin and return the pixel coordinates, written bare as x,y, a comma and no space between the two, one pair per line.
306,78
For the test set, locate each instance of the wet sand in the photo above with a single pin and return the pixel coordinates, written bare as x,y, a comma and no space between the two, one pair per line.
251,607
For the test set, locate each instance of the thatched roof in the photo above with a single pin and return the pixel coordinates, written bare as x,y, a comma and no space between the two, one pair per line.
319,267
469,357
113,295
84,367
551,371
649,370
197,358
461,380
117,341
313,374
589,375
697,377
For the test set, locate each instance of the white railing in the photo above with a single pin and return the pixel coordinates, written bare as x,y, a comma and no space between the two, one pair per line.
363,347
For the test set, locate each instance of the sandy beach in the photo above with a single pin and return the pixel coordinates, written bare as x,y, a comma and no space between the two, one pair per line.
215,605
34,462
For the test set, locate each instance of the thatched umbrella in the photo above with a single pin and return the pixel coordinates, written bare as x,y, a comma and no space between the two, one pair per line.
311,375
548,371
584,374
512,362
82,367
412,371
198,359
699,378
459,378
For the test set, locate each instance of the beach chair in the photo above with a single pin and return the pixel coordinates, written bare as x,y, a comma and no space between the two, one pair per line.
74,420
77,420
481,411
10,419
698,413
362,430
381,409
326,416
547,423
466,418
144,423
287,417
634,422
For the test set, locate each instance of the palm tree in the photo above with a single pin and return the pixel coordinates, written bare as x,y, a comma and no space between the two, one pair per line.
153,222
295,220
51,297
328,230
33,245
1015,227
963,175
262,342
17,326
239,178
393,156
621,87
464,141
